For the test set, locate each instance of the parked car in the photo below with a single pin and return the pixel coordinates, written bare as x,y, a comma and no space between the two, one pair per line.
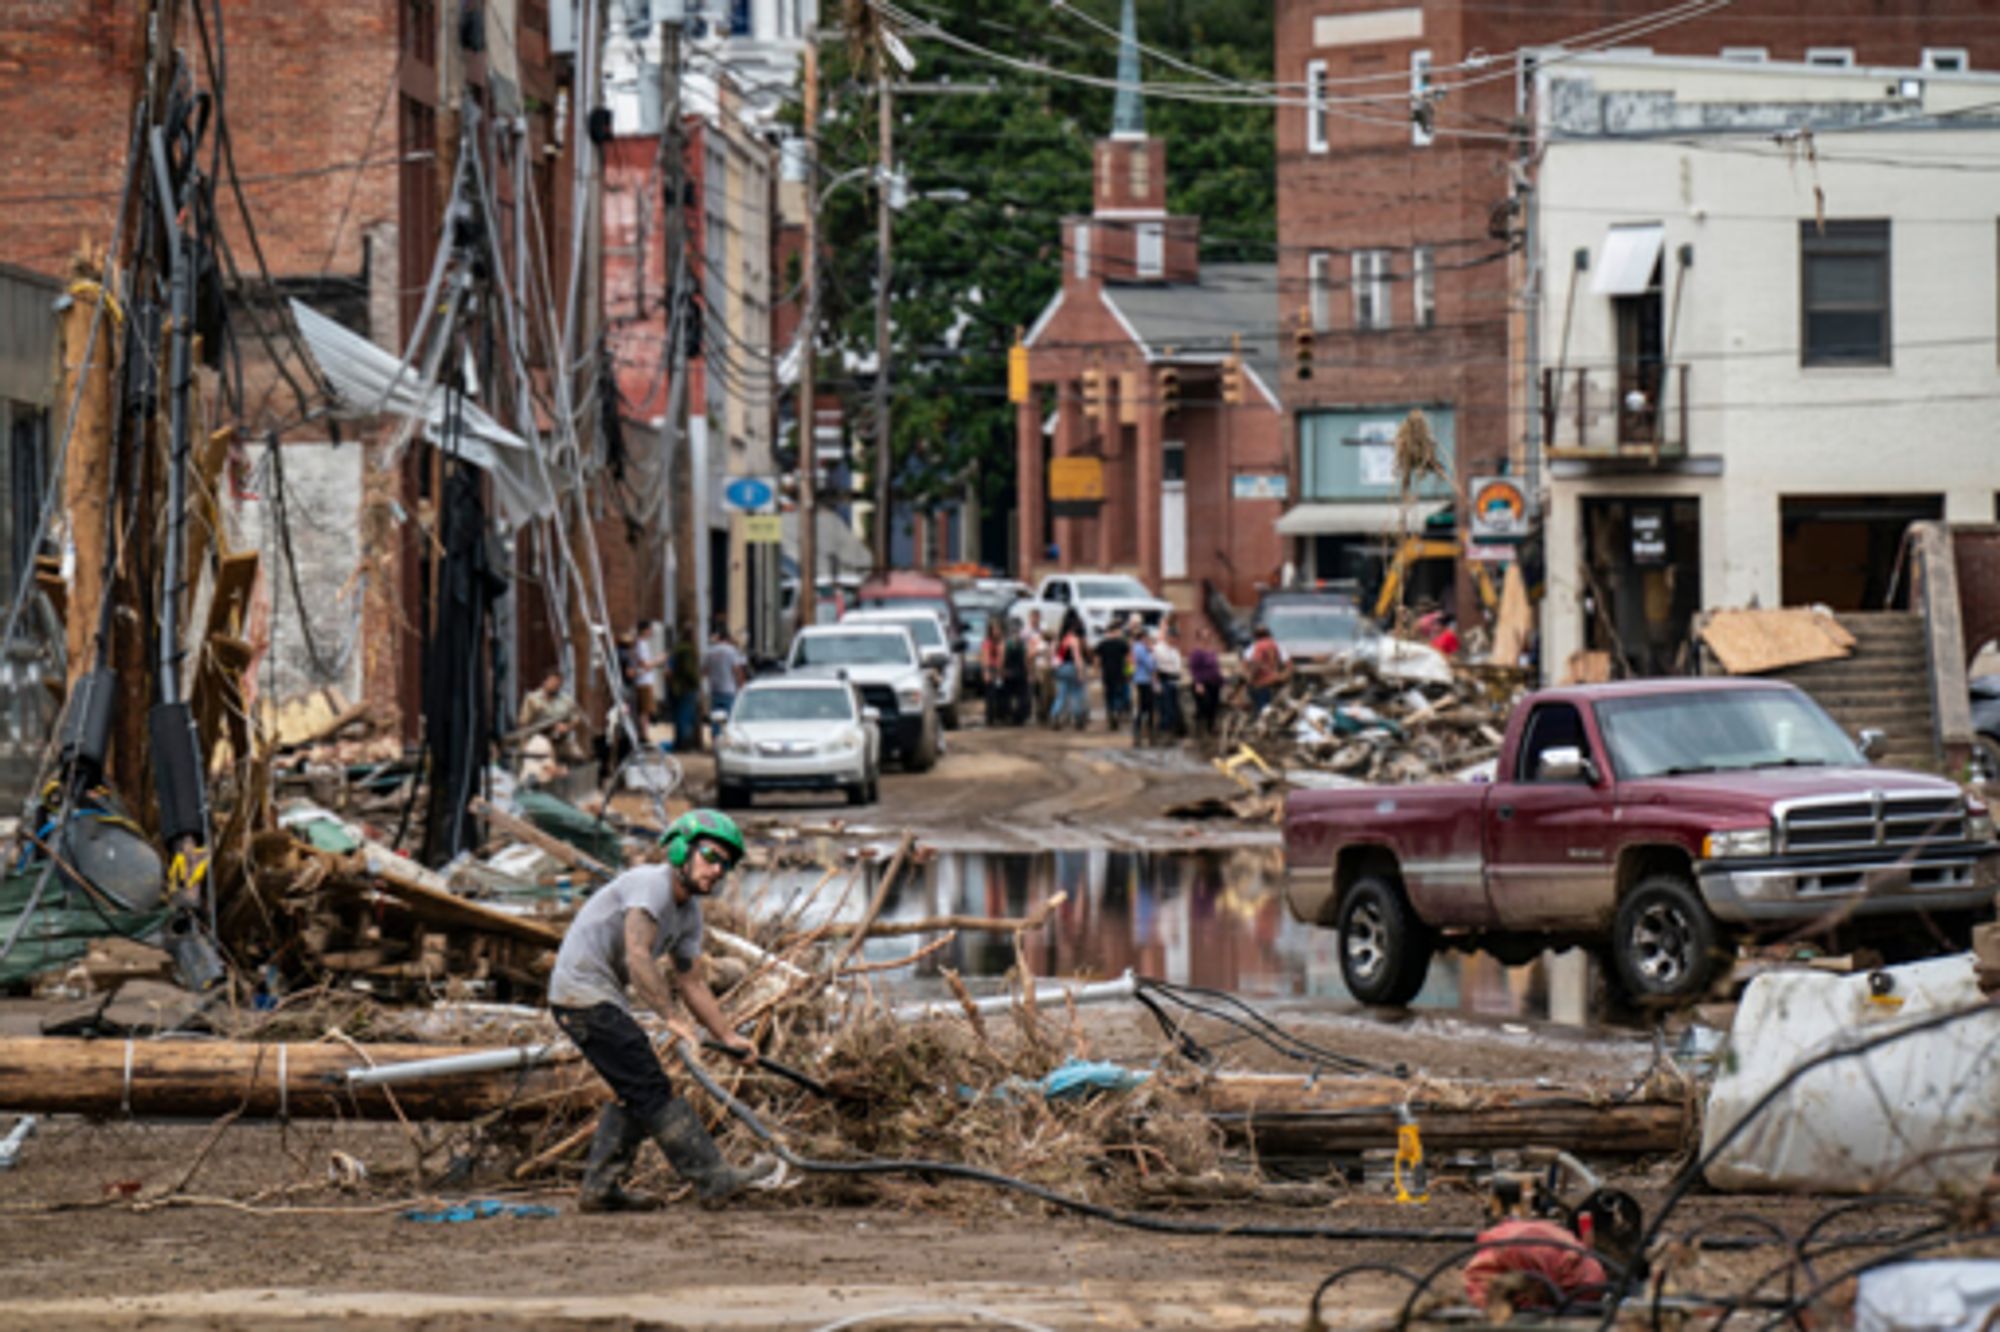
1099,599
1313,625
947,673
883,662
1654,820
907,589
797,733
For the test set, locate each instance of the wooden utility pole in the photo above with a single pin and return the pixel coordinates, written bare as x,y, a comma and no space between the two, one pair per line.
87,472
686,506
886,151
807,411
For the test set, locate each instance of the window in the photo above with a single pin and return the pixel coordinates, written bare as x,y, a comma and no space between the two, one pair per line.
1152,247
1946,59
1844,293
1316,106
1079,245
1319,291
1551,726
1837,57
1371,289
1423,286
1422,109
1140,169
1749,55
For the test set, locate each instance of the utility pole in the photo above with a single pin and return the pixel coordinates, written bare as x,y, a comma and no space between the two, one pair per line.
807,609
884,136
686,506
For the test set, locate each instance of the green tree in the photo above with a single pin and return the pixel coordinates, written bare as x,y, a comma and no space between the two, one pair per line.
990,175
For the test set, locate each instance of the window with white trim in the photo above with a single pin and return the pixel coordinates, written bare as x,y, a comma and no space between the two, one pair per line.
1079,244
1370,271
1319,290
1152,250
1422,108
1316,106
1423,286
1947,59
1748,55
1837,57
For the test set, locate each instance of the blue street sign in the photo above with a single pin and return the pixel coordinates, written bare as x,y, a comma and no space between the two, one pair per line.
748,493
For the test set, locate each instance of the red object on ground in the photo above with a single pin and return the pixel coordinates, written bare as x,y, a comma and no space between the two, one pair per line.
1447,642
1561,1262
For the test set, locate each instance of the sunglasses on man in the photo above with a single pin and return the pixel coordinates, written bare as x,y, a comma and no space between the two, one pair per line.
715,855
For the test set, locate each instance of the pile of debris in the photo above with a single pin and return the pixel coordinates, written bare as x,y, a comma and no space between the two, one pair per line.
1406,718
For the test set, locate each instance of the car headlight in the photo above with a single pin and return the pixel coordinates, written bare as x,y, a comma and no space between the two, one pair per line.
1978,823
844,743
1732,842
735,743
912,699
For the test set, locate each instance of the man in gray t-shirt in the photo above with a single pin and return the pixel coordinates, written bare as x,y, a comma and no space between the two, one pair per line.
617,942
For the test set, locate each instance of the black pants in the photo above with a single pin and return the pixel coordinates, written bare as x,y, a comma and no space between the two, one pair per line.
1207,699
1145,718
621,1052
1167,701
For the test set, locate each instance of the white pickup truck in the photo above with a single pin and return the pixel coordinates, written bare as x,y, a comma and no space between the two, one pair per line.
1101,599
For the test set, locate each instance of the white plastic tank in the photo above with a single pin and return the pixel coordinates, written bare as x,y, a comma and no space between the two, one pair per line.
1915,1115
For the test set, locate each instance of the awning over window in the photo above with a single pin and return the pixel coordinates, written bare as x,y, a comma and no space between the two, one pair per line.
1625,268
1358,518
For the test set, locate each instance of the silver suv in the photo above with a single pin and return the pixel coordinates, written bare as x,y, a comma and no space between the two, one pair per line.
934,645
883,661
796,733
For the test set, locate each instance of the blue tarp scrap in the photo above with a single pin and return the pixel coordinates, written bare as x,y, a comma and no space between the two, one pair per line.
1081,1077
478,1209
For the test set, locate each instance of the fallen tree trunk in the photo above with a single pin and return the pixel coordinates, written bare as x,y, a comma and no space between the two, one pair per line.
1285,1113
202,1079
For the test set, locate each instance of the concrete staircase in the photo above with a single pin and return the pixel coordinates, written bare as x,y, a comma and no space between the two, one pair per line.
1885,686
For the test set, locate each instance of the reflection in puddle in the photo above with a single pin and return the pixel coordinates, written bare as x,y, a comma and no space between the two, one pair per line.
1209,918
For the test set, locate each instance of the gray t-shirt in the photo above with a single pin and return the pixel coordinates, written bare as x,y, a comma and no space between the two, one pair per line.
590,967
719,666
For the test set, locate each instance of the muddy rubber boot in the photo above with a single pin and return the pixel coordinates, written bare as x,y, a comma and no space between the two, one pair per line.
696,1158
611,1150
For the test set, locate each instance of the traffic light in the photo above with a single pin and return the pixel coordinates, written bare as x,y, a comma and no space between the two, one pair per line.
1302,343
1170,391
1017,372
1093,393
1232,371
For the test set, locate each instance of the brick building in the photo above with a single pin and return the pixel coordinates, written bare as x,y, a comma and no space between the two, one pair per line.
1151,386
1401,211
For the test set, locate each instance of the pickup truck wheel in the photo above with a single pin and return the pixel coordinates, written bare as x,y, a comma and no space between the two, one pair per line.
1663,941
1385,951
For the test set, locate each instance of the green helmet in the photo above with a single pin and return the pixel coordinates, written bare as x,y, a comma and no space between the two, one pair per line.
696,824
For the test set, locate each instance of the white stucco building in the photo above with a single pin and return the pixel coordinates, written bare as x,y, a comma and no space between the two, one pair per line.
1759,337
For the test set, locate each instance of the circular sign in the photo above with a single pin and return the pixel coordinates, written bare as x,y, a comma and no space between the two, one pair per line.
748,493
1499,508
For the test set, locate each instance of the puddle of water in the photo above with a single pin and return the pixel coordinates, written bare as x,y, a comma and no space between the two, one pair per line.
1212,918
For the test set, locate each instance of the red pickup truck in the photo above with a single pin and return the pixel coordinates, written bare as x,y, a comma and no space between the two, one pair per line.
1653,821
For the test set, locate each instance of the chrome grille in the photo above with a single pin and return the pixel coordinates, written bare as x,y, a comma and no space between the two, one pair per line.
1864,822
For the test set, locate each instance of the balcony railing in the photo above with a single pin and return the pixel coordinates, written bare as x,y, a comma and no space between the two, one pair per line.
1616,411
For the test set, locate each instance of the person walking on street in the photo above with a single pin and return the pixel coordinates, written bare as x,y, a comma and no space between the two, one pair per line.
993,669
1041,671
684,683
1167,688
646,652
1205,675
723,670
1114,660
616,942
1072,703
1266,667
1014,659
1145,680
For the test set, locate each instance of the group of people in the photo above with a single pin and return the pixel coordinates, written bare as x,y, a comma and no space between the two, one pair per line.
1033,674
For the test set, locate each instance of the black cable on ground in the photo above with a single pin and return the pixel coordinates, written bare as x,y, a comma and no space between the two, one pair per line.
1135,1220
1213,1004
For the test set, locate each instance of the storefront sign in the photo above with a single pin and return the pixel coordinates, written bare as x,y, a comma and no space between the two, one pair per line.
1257,486
1649,536
1499,509
763,529
1075,480
1377,443
1491,553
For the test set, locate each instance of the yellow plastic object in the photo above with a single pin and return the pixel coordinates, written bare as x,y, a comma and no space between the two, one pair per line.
1412,1181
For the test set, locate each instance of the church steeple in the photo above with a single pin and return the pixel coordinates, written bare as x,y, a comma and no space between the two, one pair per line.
1128,113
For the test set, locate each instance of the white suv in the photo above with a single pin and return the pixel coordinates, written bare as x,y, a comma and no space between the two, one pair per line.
883,662
934,645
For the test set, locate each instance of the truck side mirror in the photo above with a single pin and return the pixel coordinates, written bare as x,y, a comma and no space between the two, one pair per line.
1872,741
1565,763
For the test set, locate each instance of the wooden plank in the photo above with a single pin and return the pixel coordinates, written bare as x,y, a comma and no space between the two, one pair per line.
428,896
525,831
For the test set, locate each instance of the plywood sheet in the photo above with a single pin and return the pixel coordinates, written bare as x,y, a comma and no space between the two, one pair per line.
1750,642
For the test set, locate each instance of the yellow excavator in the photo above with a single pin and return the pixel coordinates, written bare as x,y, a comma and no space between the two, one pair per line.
1415,548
